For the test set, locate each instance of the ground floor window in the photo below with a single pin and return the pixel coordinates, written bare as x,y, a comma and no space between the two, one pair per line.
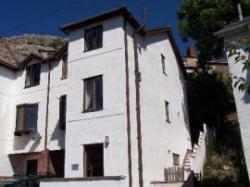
93,160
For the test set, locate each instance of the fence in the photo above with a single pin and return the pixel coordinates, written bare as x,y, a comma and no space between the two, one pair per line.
174,174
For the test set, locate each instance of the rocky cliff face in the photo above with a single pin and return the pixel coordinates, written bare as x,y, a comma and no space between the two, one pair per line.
15,49
32,43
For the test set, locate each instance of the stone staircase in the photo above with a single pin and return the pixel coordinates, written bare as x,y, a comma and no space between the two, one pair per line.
193,163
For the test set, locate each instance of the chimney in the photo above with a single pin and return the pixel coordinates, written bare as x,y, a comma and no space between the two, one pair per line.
191,52
240,12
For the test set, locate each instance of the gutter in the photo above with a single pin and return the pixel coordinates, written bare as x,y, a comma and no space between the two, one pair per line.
130,177
138,104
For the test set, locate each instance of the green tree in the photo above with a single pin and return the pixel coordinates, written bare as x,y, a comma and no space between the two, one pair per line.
199,19
239,50
210,99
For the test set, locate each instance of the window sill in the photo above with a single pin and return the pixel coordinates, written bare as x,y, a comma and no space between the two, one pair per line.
22,132
92,110
87,50
63,78
31,86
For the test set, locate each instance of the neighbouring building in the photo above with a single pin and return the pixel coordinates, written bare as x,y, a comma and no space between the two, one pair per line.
192,65
231,33
107,108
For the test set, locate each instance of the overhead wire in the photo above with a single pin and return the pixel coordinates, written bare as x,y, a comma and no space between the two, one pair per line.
52,12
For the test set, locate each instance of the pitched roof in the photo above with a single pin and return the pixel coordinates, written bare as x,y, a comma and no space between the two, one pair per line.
121,11
234,28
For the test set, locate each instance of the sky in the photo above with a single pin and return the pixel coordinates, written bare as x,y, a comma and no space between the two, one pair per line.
18,17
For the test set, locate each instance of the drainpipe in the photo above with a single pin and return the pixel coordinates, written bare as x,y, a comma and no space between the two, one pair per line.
130,177
240,12
138,108
47,118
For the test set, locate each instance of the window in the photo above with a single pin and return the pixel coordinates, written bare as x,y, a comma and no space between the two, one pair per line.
176,159
93,160
62,111
31,167
167,111
93,38
33,75
163,62
26,120
93,94
64,67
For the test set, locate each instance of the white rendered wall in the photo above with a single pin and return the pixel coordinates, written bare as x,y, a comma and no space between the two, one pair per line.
37,94
160,139
6,92
93,127
242,101
93,183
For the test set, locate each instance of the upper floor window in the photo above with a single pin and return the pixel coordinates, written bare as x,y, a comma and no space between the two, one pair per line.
93,94
64,67
26,119
62,111
163,62
33,75
167,111
93,38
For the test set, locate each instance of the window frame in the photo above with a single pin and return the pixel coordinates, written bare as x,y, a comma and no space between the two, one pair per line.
93,29
85,174
94,94
25,129
33,75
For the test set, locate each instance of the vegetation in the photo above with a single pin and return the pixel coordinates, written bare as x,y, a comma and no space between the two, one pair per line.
240,57
210,99
198,20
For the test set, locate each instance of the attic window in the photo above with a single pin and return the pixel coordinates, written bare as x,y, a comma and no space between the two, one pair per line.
33,75
93,38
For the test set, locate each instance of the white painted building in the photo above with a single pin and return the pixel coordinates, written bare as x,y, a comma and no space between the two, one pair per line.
231,33
126,112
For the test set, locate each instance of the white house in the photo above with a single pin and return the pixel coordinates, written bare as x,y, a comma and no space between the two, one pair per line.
231,33
117,107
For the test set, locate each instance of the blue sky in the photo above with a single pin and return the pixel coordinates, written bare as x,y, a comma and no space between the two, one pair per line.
14,14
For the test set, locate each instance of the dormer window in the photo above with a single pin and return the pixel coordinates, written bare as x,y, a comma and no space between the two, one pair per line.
33,75
93,38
